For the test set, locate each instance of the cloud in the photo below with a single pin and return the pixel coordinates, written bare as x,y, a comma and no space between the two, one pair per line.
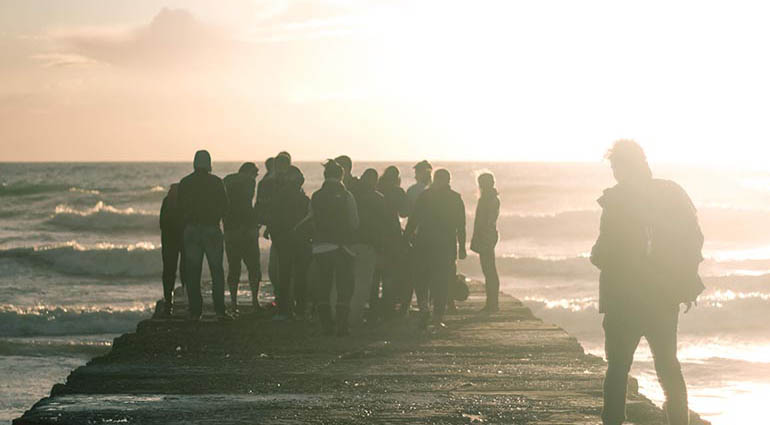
173,37
54,60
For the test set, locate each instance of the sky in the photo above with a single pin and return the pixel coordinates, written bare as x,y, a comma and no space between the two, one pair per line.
93,80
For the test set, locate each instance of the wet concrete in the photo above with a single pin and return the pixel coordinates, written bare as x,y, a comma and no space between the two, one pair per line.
509,368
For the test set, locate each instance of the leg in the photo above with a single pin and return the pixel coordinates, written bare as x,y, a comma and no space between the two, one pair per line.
285,265
439,286
252,259
170,256
621,337
325,263
363,272
193,261
491,279
662,339
233,250
214,246
301,265
344,272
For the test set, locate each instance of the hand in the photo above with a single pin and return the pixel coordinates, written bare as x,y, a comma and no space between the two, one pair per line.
463,254
689,305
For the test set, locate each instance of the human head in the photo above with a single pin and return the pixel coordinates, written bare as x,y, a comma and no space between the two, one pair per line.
369,178
333,170
346,163
441,178
286,154
628,161
422,172
391,176
202,161
294,175
249,169
281,163
269,164
486,181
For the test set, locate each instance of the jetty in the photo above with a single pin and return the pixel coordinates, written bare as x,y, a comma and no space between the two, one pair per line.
508,368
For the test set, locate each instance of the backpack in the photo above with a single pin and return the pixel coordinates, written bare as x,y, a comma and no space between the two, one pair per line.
674,243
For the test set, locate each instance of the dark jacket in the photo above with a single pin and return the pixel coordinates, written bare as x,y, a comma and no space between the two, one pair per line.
372,217
438,220
335,216
648,248
396,206
171,220
485,222
240,194
203,199
265,192
290,205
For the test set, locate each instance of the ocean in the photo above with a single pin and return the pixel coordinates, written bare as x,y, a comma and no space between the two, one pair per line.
80,264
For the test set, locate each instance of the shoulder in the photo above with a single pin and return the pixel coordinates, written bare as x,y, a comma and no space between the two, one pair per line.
608,196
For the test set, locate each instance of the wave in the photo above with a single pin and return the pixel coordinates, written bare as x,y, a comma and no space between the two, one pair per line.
568,268
57,321
88,349
105,260
103,217
577,224
24,189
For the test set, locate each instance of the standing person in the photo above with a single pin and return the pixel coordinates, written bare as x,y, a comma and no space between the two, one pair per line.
437,226
241,233
203,200
392,271
485,238
648,252
335,219
266,191
172,245
291,205
423,175
368,240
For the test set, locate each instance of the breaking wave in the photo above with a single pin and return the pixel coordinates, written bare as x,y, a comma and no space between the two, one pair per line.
105,260
23,189
103,217
57,320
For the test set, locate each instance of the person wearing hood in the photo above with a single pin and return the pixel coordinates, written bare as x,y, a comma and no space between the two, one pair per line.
241,233
172,244
334,215
291,206
648,252
203,201
437,228
485,238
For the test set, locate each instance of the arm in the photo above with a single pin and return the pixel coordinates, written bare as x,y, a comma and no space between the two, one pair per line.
598,256
163,213
415,219
221,199
461,228
353,212
403,204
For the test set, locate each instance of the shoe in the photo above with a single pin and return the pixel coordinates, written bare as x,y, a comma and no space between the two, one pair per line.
225,317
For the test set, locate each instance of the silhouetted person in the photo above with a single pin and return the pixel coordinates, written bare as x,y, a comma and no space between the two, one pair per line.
392,271
437,226
335,219
368,244
485,238
290,206
348,180
267,189
172,244
648,251
423,174
241,233
203,200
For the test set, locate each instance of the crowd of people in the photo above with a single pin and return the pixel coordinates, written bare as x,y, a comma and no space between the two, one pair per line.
350,230
366,266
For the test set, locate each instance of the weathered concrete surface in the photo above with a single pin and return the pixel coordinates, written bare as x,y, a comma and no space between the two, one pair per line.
506,368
